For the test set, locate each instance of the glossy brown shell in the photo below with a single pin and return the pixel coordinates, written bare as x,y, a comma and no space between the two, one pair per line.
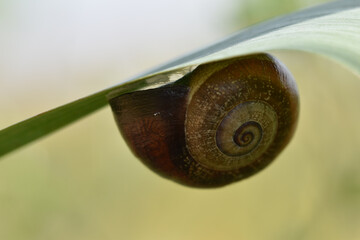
177,130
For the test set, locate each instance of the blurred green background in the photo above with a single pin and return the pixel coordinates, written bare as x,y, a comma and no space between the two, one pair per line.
83,183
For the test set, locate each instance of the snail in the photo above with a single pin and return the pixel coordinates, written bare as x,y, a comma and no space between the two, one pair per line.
220,123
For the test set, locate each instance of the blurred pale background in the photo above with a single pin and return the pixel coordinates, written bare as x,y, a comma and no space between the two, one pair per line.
83,183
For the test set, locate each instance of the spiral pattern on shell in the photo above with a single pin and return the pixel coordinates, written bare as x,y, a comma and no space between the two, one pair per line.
221,123
244,133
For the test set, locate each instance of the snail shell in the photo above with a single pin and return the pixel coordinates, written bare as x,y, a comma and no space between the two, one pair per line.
221,123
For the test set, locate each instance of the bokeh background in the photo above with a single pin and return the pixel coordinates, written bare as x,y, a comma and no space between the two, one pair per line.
83,183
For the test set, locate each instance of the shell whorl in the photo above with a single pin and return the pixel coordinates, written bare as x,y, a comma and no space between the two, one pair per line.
235,139
221,123
232,118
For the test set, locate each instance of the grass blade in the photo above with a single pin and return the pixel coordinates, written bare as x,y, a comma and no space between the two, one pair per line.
331,29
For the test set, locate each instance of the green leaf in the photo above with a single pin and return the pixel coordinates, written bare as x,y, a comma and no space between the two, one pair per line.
331,29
